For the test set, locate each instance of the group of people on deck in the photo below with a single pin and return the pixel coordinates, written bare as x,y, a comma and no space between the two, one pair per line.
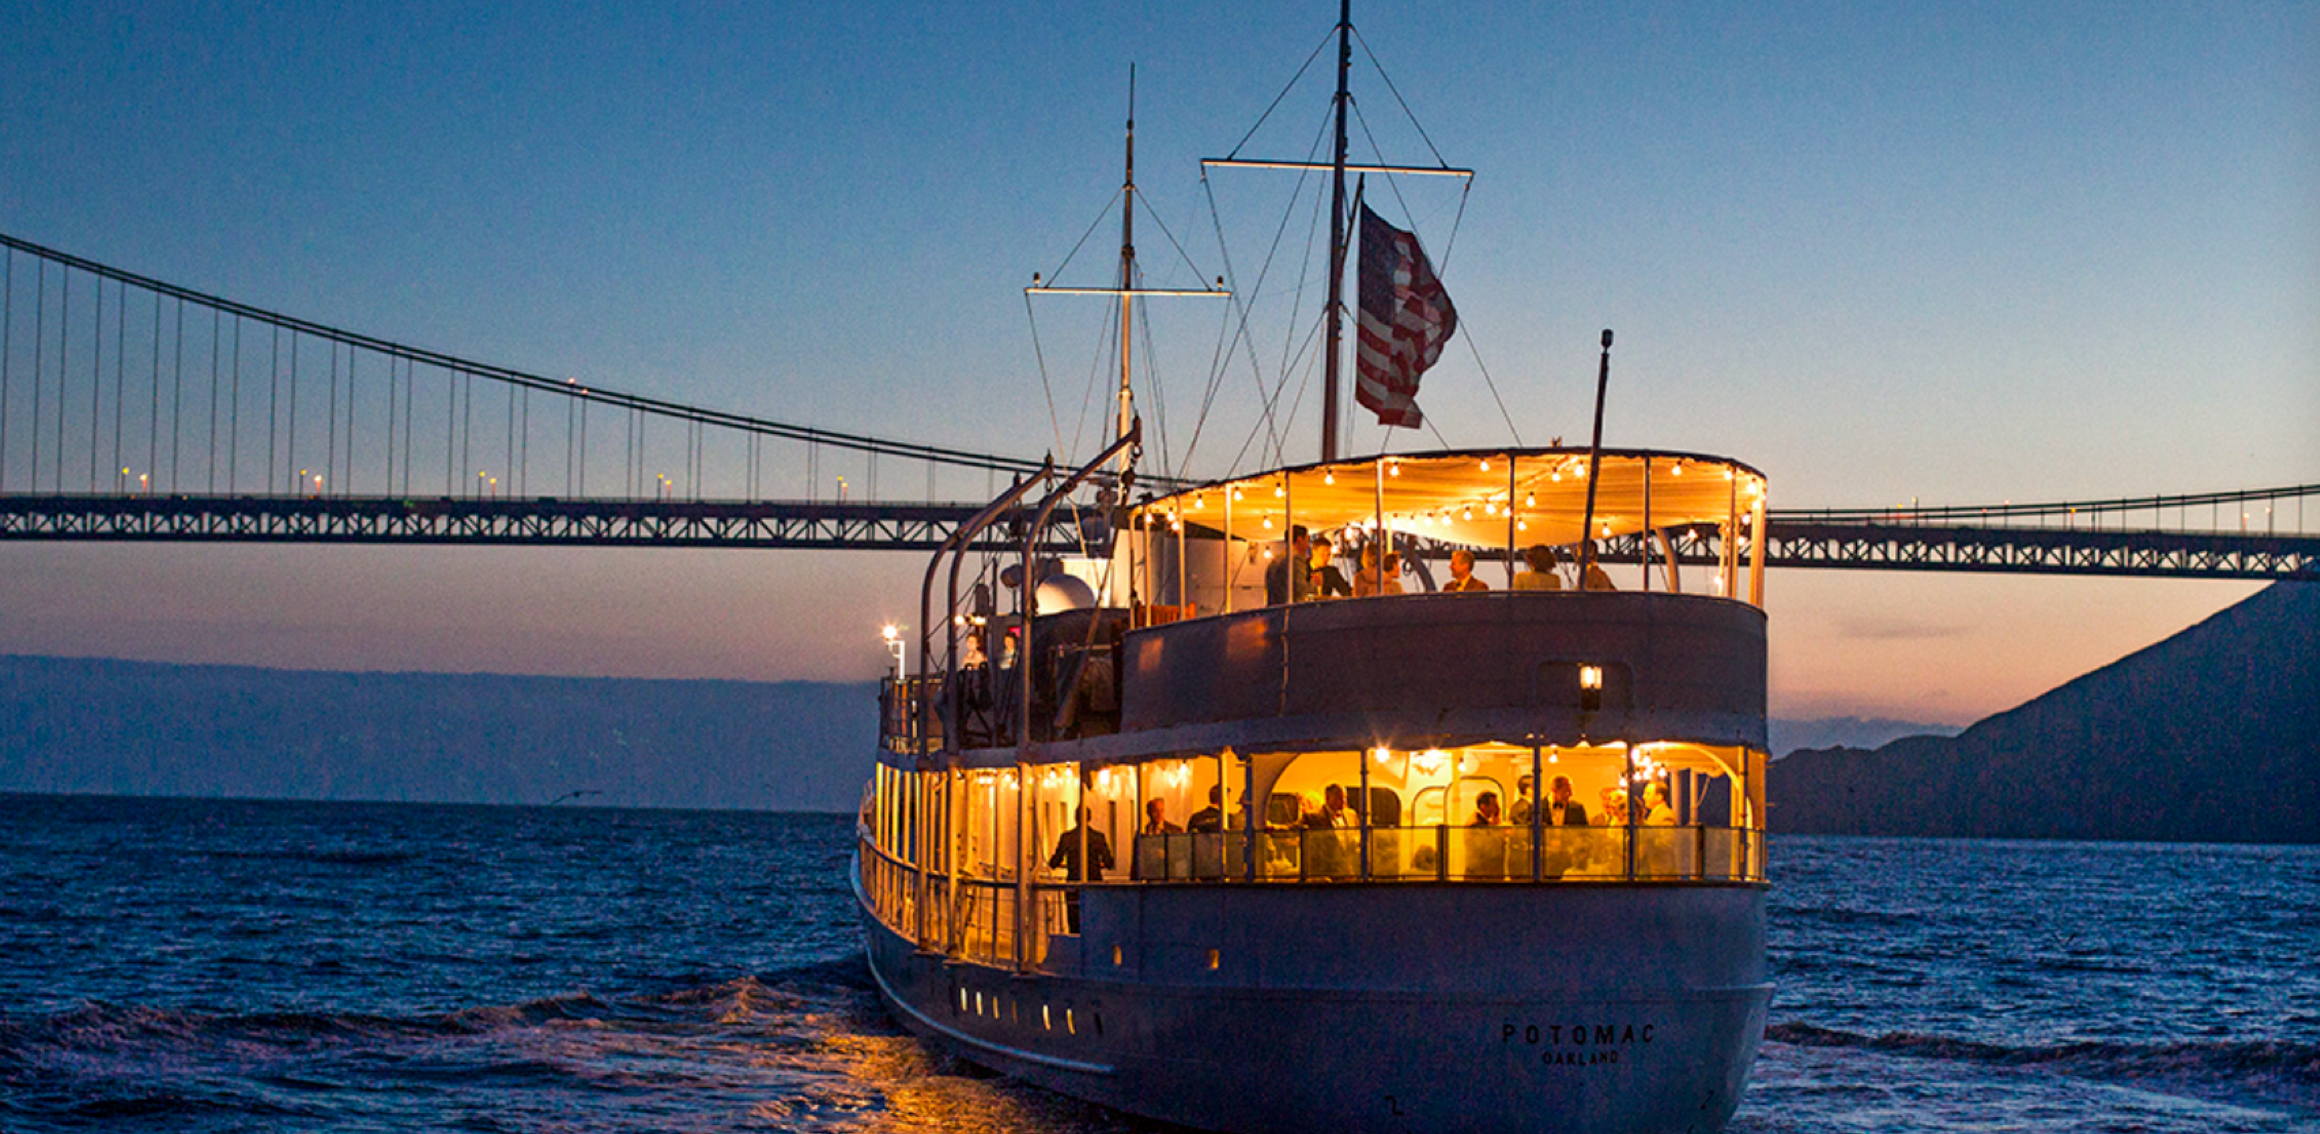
1309,571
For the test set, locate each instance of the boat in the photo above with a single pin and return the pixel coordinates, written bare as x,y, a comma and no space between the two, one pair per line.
1171,827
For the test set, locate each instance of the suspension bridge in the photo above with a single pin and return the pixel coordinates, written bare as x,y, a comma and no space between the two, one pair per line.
133,409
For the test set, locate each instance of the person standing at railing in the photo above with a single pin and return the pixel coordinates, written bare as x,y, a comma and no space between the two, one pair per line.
1210,818
1289,578
1081,844
1462,574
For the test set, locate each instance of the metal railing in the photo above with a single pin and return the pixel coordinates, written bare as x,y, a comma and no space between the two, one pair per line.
1445,853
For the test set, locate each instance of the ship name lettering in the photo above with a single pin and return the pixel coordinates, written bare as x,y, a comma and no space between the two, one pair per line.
1576,1035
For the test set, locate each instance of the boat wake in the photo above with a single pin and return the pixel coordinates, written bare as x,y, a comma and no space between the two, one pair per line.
804,1049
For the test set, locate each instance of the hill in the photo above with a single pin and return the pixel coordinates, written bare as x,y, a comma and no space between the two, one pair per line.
135,728
2212,735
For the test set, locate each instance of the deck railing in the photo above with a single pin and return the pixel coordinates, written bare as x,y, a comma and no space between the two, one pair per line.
1443,853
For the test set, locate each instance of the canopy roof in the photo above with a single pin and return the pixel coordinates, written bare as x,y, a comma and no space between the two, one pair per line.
1463,497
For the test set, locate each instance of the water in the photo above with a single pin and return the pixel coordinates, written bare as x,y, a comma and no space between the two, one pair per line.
231,966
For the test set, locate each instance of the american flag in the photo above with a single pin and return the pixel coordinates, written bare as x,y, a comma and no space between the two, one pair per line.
1405,319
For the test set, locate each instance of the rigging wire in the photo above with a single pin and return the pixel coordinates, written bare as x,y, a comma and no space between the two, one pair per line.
1306,66
1045,387
1404,103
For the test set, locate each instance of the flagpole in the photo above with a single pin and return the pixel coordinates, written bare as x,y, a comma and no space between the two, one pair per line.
1336,314
1594,463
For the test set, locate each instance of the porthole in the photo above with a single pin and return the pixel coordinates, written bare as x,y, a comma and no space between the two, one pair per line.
1116,956
1046,1021
1069,1027
1212,960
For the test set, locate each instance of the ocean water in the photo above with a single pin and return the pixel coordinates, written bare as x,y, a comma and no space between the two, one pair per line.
192,965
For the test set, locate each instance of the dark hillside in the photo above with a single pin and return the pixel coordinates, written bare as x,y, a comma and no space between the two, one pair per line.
2210,736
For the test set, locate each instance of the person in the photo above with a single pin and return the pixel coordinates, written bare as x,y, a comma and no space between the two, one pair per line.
1287,578
1563,811
1067,858
1520,814
1393,583
1156,820
1540,575
1328,581
1486,846
1614,808
1333,807
1211,817
1593,578
1657,811
1369,580
1462,573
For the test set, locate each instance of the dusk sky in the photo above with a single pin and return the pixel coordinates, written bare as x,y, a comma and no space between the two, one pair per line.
1956,254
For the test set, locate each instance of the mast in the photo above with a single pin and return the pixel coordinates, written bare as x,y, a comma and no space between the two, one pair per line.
1127,398
1336,315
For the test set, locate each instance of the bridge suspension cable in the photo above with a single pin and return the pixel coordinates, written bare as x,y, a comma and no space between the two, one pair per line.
170,405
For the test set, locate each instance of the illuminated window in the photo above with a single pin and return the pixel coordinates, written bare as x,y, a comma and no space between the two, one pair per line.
1212,960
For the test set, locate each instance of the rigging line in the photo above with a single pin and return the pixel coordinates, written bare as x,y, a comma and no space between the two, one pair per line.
1159,404
1397,93
1306,66
1045,387
1243,337
1181,254
1488,382
1083,237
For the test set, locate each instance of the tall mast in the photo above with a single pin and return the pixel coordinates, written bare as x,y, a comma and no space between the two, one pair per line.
1127,274
1336,316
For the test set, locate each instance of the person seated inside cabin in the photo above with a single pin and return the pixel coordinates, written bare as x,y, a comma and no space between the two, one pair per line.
1156,820
1562,810
1211,817
1333,807
1539,573
1287,578
1614,808
1369,580
1462,574
1520,814
1328,581
1657,810
1591,572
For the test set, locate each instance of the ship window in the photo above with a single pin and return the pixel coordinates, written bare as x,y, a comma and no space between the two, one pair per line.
1069,1027
1046,1020
1099,1022
1116,958
978,1004
962,999
1212,960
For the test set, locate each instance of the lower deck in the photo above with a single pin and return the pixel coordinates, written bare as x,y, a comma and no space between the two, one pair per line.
1368,1006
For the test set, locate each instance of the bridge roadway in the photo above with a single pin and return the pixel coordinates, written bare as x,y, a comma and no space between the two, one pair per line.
1953,540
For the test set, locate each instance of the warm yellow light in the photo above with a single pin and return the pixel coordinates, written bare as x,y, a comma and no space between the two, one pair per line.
1522,525
1530,499
890,632
1196,502
1678,470
1329,477
1486,464
1280,491
1268,523
1381,754
1468,514
1590,677
1394,468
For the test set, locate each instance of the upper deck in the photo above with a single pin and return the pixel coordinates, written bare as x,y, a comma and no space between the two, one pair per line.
1220,624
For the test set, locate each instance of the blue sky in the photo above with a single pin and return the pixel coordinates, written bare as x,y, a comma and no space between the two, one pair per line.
1955,253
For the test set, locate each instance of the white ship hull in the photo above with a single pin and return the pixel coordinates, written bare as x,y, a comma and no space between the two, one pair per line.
1372,1007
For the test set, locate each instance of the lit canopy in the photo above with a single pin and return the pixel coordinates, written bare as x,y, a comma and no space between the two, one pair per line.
1479,499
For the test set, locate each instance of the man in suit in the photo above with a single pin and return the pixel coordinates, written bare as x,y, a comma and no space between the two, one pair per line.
1562,810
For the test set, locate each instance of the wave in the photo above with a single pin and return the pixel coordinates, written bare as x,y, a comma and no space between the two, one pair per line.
2275,1068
